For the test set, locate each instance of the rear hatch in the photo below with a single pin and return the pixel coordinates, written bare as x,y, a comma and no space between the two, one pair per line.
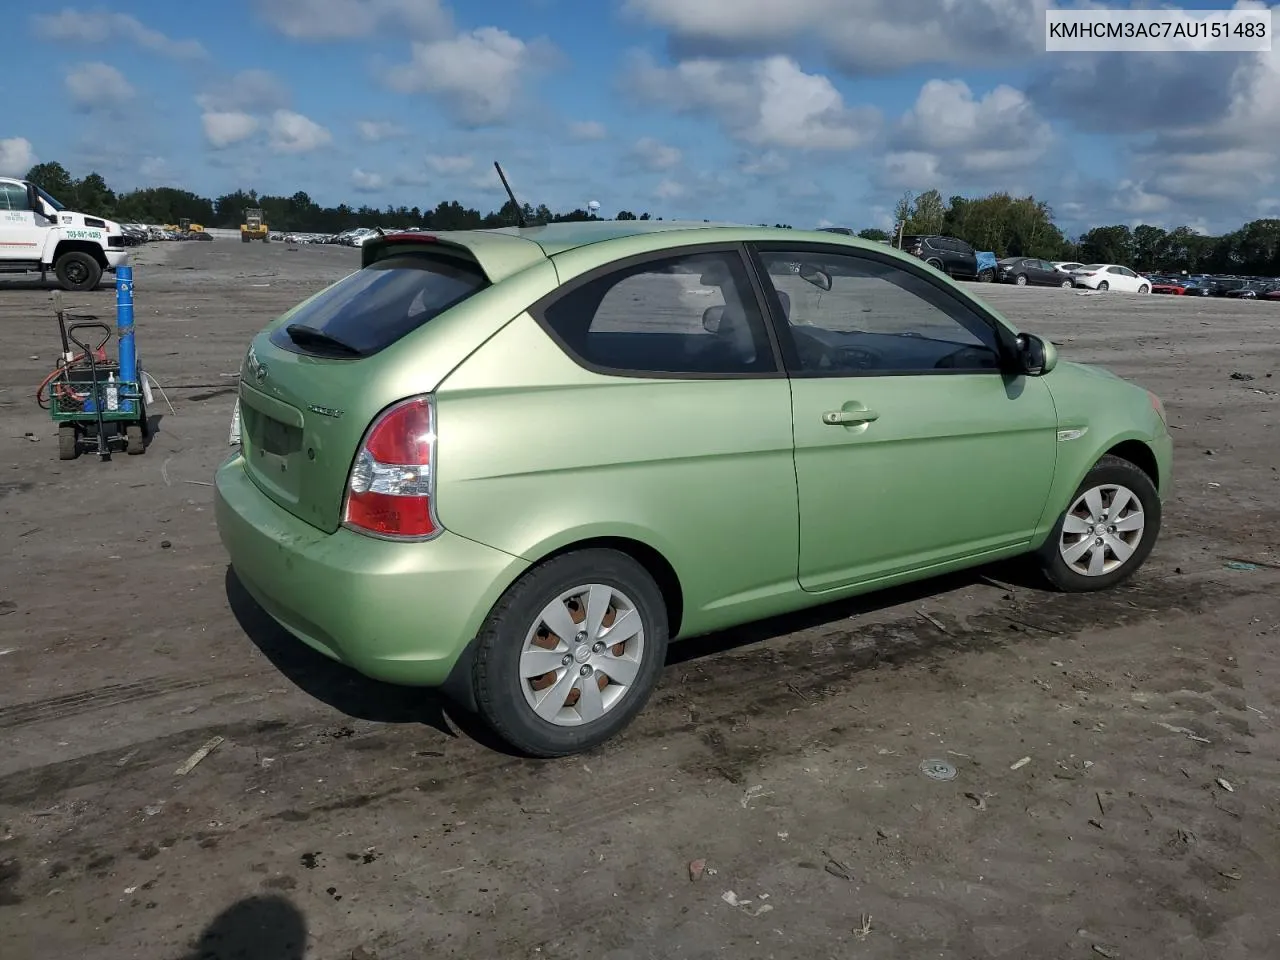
313,380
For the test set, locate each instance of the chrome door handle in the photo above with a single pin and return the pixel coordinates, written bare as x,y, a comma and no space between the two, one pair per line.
847,418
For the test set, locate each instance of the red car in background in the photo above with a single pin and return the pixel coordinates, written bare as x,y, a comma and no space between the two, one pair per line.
1168,285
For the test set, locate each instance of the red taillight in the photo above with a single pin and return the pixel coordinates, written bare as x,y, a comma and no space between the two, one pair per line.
390,487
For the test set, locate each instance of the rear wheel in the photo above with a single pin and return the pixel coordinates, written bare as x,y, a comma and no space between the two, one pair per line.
77,270
935,263
1066,284
1144,289
68,444
571,653
1107,532
1104,286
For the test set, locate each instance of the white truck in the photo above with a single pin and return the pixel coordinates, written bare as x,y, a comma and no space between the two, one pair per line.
38,235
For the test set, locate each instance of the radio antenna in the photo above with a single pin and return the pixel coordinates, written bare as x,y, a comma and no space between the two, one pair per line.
514,202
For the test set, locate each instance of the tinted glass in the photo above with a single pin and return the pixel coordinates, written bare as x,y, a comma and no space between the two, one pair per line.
877,318
690,314
374,307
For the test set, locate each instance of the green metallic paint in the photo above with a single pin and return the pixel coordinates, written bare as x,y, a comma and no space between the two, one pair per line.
699,470
537,454
388,609
954,466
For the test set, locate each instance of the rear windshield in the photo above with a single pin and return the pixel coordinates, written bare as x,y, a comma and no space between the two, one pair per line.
378,305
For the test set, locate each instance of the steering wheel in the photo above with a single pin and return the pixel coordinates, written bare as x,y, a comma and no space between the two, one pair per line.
967,358
856,358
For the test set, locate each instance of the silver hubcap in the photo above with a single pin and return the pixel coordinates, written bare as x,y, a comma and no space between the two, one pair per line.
1102,530
582,655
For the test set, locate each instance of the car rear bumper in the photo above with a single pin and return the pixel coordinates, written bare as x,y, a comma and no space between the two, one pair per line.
400,612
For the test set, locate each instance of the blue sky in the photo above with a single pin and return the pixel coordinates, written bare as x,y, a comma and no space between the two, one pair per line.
807,112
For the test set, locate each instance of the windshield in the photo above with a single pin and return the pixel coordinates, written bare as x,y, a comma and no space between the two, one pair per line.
49,200
373,308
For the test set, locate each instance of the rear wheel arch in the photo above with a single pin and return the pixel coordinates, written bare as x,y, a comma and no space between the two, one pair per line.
653,561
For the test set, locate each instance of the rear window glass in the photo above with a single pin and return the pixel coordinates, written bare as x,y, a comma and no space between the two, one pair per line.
378,305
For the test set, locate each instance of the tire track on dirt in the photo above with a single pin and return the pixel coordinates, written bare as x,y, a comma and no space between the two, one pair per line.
110,695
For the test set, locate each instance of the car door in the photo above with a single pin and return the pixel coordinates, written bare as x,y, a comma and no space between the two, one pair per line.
19,238
1118,281
912,448
1046,274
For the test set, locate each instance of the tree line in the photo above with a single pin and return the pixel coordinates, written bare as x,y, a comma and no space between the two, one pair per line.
1001,223
1024,227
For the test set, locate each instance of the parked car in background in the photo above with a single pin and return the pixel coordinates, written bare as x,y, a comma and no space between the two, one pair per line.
1272,294
953,257
1110,276
396,505
1030,270
1066,266
1251,289
1175,286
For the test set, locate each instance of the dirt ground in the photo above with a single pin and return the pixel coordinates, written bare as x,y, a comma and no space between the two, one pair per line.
1116,756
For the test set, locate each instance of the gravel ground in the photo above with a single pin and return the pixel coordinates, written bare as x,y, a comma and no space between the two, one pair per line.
1116,784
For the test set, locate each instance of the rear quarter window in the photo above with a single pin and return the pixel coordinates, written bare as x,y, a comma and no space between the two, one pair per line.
375,307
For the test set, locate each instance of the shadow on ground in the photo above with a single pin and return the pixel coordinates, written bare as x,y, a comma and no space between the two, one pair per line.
255,928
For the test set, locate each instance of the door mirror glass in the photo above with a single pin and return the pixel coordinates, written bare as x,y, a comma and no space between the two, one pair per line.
819,278
1037,356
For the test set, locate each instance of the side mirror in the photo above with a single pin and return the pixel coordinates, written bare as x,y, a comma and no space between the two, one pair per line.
819,278
1037,356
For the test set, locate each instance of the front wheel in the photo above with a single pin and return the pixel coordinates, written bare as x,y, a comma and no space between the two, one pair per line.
77,271
1020,279
986,276
570,654
1107,532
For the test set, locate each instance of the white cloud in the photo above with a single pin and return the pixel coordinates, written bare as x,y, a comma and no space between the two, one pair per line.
355,19
365,182
860,36
375,131
769,102
449,166
94,86
16,156
584,130
250,91
289,132
223,128
670,190
155,169
98,26
477,76
950,137
654,155
770,163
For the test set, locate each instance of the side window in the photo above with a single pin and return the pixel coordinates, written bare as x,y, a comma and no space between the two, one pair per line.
686,314
1115,269
12,197
851,315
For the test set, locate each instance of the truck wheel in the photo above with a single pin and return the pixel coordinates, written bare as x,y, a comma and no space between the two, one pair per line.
244,238
68,447
77,270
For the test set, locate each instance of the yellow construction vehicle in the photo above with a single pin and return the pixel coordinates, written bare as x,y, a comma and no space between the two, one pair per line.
253,227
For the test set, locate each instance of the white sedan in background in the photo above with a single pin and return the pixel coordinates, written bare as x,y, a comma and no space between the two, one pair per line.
1110,276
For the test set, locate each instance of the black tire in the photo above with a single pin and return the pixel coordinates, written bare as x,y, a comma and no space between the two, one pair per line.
1020,279
68,443
935,263
133,442
1110,470
986,276
77,271
496,680
1103,287
1143,288
1066,284
245,238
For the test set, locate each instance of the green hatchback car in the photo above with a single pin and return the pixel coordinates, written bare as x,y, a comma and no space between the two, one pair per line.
513,464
